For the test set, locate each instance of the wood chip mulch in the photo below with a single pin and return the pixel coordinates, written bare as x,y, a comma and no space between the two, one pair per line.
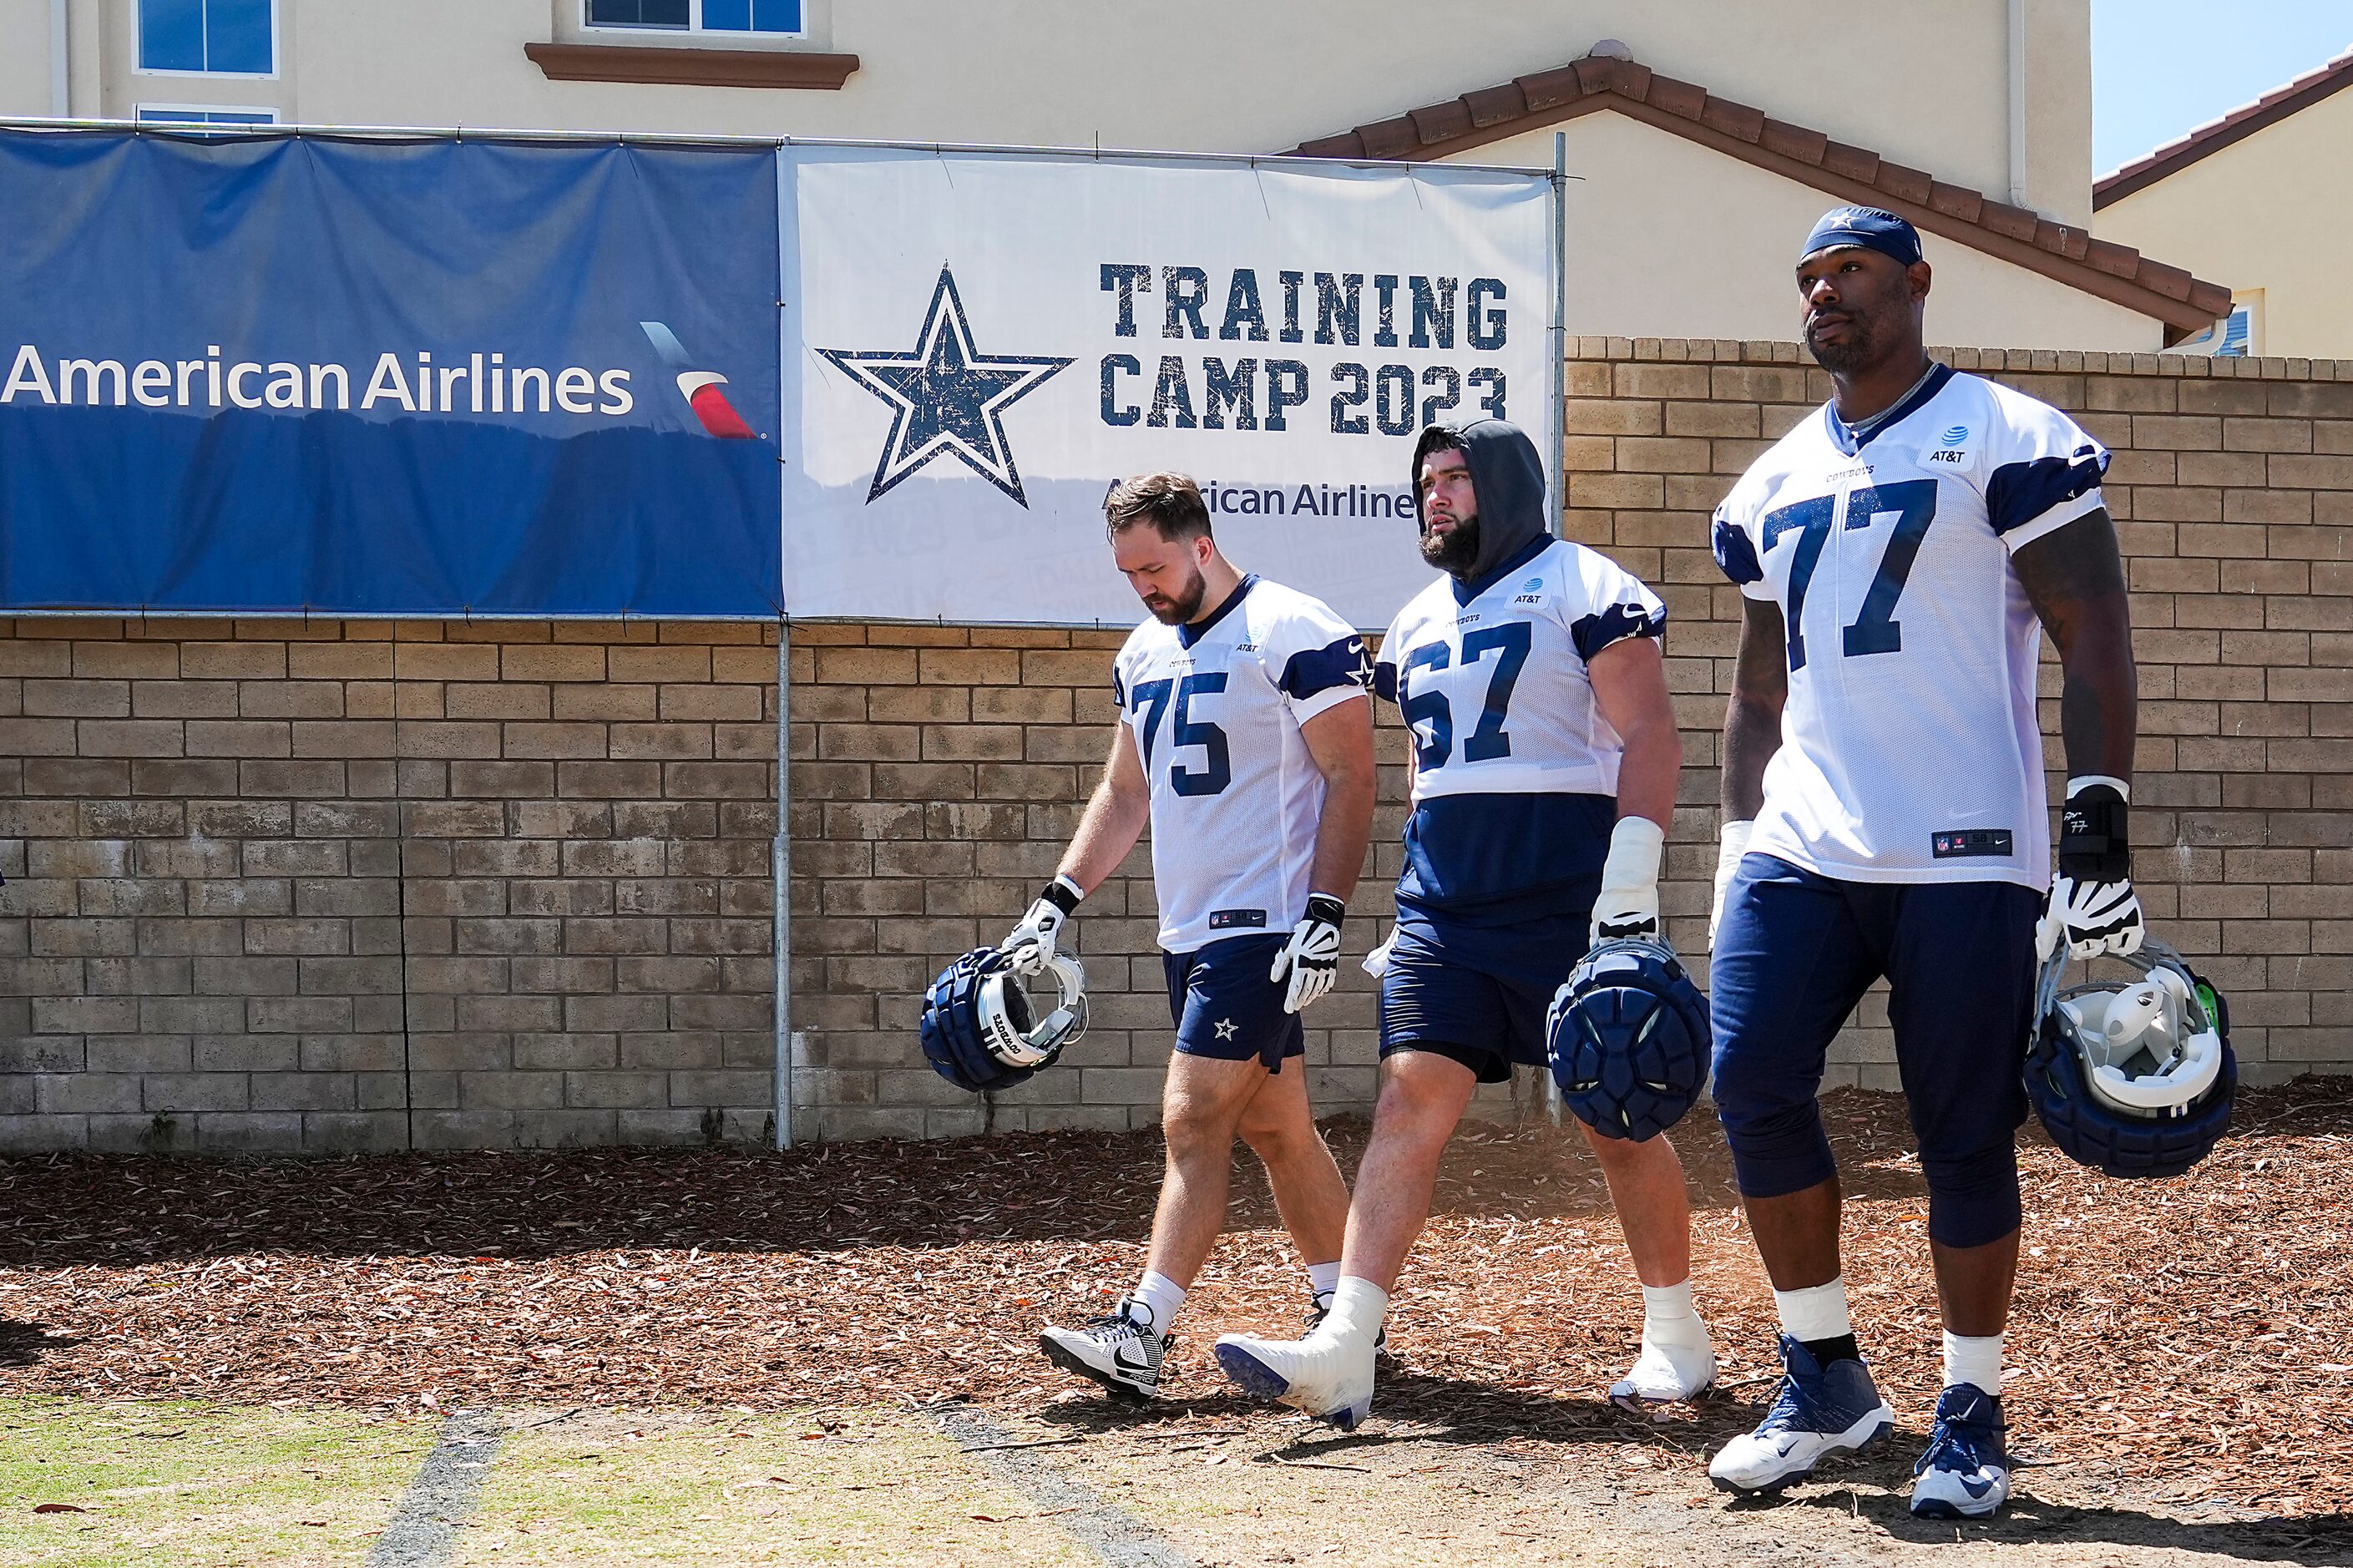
2181,1341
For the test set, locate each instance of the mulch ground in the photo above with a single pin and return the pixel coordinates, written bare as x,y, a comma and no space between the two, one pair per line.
2180,1340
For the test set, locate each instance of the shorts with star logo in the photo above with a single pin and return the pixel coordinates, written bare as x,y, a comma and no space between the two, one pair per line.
1224,1006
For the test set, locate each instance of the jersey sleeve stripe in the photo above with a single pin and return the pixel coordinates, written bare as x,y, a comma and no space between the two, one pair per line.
1384,681
1118,688
1613,624
1735,555
1340,662
2021,493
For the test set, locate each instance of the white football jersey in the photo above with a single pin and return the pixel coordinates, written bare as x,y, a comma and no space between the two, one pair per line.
1910,749
1492,677
1216,709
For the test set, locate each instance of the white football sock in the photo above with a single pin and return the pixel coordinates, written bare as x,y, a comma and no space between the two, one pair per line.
1159,1296
1816,1312
1974,1359
1668,1318
1357,1307
1322,1279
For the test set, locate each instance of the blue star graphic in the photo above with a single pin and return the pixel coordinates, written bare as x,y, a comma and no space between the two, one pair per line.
946,396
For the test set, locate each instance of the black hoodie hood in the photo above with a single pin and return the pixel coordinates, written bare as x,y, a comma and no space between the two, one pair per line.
1510,480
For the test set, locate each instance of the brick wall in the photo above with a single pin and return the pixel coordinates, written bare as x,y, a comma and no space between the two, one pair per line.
337,885
325,886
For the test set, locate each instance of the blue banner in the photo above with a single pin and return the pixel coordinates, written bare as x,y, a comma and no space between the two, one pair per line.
291,374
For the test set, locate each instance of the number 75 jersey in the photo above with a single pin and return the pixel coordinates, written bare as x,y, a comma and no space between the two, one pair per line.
1910,748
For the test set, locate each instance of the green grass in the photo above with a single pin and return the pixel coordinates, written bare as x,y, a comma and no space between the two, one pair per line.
192,1484
863,1487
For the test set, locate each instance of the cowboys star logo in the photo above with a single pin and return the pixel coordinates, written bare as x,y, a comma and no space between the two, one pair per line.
946,396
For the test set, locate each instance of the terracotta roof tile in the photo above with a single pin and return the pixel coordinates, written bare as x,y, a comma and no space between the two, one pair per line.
1547,90
1495,103
1687,99
1733,119
1443,121
1858,163
2236,126
2003,218
1794,141
2069,254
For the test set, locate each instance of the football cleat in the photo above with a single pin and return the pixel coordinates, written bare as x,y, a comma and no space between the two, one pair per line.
1327,1375
1665,1374
1320,1308
1965,1474
1119,1352
1822,1410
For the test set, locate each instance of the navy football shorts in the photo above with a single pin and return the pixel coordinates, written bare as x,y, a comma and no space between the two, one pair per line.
1478,995
1224,1006
1796,951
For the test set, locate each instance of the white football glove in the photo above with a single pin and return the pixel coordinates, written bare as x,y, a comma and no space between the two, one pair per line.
2091,907
1727,862
1032,942
1376,962
1311,956
1628,904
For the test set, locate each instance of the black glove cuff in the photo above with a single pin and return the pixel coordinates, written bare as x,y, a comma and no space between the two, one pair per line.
2095,843
1062,895
1325,908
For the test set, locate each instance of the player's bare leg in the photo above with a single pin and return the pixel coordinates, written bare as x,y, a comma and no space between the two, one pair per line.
1974,1284
1280,1127
1201,1106
1677,1359
1798,1236
1422,1098
1647,1188
1201,1110
1329,1374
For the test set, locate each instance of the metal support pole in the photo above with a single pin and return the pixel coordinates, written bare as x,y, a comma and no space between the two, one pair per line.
1560,332
781,856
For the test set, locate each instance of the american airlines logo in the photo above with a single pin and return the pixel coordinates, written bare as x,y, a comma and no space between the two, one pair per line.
469,382
699,387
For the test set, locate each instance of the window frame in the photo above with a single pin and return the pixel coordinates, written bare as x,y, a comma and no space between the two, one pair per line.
139,113
277,54
693,29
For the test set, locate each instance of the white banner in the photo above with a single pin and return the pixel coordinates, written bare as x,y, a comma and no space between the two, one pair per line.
977,344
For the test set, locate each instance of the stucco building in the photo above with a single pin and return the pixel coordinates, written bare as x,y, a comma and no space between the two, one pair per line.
2257,198
1703,140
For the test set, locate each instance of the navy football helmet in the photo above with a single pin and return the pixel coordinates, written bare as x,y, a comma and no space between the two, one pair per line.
2133,1080
1628,1040
983,1027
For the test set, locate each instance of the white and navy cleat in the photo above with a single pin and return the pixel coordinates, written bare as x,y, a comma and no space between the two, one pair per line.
1965,1474
1327,1375
1821,1411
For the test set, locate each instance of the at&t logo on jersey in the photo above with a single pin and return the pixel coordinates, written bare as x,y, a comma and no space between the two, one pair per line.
1948,449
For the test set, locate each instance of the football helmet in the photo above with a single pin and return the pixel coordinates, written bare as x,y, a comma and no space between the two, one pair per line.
1627,1038
2133,1080
983,1027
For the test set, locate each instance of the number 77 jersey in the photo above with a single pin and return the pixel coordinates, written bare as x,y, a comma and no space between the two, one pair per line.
1910,747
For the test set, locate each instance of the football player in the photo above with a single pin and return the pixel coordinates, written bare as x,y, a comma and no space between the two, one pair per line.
1885,816
1544,760
1245,738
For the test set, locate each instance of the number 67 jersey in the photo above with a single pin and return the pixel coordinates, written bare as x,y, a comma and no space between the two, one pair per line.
1910,747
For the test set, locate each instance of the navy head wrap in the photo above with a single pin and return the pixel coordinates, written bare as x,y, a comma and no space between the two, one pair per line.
1869,228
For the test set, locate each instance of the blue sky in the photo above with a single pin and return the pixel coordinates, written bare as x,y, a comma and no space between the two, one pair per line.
2160,67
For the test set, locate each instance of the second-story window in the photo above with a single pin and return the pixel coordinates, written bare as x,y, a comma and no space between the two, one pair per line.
229,38
772,16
